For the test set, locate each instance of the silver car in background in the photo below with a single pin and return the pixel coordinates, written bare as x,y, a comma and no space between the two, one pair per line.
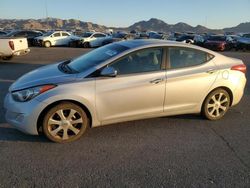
124,81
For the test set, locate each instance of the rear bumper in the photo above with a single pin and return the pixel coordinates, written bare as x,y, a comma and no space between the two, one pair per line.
21,52
215,47
239,91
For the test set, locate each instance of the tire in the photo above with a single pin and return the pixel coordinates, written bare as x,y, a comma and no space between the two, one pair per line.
47,44
58,126
216,104
6,58
72,44
86,45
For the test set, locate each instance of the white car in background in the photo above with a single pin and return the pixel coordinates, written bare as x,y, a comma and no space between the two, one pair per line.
93,39
55,38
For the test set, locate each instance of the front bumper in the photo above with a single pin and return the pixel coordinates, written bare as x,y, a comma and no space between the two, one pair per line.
23,115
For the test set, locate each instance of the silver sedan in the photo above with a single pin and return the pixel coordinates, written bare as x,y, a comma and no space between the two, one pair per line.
124,81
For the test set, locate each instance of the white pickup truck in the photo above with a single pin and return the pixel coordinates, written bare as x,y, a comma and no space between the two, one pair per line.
10,47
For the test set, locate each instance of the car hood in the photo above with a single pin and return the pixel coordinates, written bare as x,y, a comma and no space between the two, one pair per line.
49,74
41,38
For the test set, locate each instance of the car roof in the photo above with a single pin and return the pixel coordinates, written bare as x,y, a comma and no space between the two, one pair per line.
144,43
147,42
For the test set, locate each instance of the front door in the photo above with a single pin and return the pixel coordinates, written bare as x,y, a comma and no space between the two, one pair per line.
137,91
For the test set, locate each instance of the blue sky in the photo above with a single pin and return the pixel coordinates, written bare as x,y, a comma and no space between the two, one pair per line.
210,13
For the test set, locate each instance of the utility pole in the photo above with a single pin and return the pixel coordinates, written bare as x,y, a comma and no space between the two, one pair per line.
46,12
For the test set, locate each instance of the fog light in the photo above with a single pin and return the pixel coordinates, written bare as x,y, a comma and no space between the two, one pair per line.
19,117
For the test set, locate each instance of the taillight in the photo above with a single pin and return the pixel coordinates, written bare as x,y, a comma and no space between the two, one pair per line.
241,68
11,44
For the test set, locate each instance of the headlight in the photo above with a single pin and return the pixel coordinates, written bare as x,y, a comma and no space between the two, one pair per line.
30,93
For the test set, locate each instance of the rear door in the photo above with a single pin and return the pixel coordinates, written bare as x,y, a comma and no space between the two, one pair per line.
137,91
99,37
190,74
65,38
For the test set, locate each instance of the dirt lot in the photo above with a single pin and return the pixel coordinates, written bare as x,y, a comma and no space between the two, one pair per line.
180,151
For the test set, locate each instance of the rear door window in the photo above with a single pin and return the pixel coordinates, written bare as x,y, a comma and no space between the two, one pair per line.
57,34
186,57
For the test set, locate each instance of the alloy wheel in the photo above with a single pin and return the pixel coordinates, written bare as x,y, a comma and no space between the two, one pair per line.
65,123
216,104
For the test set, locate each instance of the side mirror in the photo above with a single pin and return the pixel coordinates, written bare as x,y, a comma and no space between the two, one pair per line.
109,72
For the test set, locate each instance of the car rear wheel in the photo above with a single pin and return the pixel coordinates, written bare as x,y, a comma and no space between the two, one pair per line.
7,57
216,104
65,122
47,44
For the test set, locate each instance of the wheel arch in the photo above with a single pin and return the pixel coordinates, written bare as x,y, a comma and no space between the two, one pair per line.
43,113
228,90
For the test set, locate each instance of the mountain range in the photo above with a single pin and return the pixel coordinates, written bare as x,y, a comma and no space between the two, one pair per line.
151,25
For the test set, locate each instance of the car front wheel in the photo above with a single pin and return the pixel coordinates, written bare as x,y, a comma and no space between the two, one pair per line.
65,122
47,44
216,104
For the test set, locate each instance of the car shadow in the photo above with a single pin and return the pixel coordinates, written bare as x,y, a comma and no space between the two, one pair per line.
186,117
13,135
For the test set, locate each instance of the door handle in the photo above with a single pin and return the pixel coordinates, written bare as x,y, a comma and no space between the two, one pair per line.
211,71
156,81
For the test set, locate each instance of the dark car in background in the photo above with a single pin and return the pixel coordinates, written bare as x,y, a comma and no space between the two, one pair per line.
243,42
143,35
118,36
157,35
29,34
186,39
219,43
191,39
2,33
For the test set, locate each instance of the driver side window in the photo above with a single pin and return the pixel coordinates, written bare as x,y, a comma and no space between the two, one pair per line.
147,60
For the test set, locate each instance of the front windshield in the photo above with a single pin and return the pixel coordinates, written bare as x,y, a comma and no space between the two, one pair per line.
96,57
87,34
48,34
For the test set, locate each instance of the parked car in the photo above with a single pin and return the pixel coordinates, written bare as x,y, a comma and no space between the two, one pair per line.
243,43
119,36
219,43
174,36
29,34
124,81
10,47
89,40
191,39
2,33
54,38
156,35
142,35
